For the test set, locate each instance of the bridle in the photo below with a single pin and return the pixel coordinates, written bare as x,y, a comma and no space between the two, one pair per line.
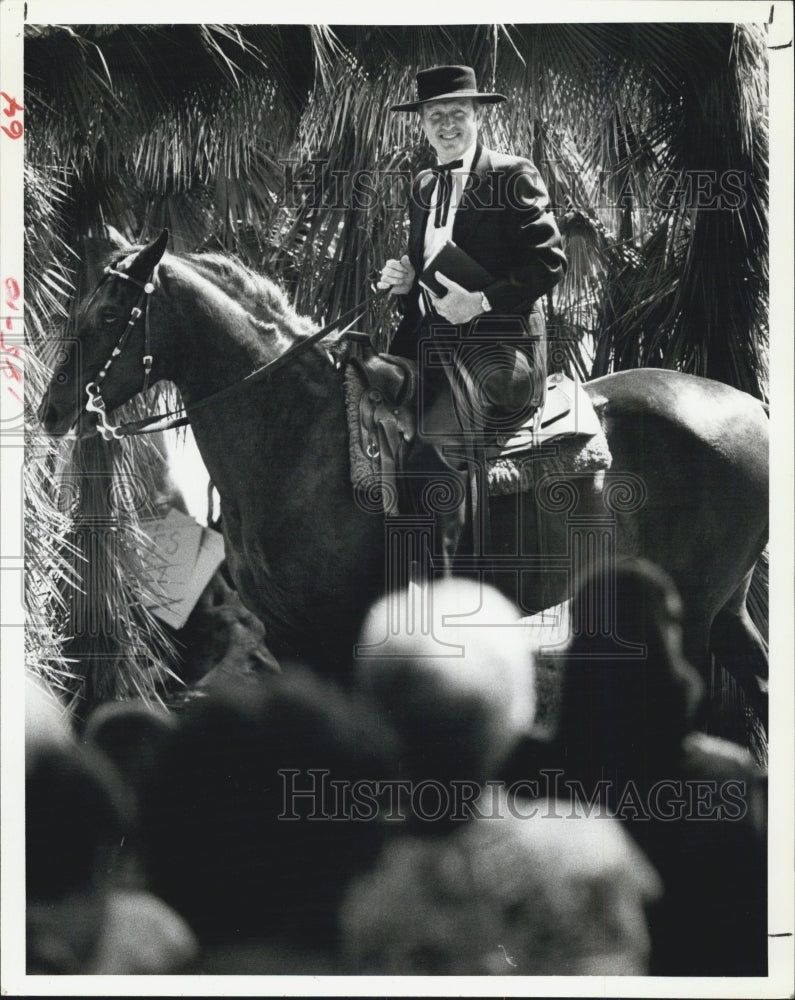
149,425
96,404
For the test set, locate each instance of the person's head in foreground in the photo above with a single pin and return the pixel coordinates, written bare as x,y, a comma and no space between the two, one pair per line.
249,840
450,667
627,684
518,886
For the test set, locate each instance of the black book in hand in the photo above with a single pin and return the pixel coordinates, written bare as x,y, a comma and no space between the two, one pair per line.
455,264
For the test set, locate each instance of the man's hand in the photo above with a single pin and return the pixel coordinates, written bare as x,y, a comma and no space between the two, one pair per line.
397,276
459,305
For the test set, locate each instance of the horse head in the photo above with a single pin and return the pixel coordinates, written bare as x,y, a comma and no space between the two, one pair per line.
111,357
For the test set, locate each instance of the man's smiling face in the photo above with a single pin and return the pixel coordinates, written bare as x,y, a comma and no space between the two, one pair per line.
451,126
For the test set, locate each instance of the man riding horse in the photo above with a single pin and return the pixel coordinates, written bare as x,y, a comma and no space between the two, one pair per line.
481,354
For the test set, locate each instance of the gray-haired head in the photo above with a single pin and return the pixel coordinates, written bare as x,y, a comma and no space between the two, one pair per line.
451,667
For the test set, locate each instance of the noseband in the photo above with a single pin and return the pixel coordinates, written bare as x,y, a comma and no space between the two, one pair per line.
96,404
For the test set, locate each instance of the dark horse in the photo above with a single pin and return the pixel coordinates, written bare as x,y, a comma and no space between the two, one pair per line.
687,489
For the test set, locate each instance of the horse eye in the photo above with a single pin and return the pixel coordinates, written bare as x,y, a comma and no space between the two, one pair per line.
109,317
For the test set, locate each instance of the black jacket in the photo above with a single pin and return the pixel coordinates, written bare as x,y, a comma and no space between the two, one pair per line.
504,223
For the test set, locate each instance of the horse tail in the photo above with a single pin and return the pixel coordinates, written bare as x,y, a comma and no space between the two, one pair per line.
738,640
757,598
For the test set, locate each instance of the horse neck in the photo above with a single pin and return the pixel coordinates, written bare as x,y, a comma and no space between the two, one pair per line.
213,340
218,343
276,451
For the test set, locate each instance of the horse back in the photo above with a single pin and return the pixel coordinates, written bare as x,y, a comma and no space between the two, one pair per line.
660,409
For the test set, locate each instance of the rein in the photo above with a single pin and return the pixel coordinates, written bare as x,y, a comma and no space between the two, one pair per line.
150,425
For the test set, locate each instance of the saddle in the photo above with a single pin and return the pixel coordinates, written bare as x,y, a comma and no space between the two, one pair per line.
379,391
380,400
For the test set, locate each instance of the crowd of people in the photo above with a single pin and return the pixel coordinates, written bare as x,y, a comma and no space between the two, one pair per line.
415,822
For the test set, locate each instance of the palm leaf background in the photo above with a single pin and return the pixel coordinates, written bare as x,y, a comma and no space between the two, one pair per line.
255,139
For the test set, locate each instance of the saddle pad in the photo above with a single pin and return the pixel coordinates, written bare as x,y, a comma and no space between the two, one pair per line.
569,431
567,411
565,455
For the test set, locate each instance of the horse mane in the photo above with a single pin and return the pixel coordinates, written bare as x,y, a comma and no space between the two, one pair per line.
261,296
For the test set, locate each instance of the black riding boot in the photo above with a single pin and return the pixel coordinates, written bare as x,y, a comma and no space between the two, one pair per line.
437,488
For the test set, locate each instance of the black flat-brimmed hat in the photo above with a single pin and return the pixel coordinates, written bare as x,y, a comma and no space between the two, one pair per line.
440,83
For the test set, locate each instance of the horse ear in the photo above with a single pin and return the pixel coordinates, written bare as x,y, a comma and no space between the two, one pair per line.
148,258
95,252
116,240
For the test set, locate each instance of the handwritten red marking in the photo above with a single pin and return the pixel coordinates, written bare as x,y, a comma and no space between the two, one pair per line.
10,370
15,128
12,292
13,105
8,348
